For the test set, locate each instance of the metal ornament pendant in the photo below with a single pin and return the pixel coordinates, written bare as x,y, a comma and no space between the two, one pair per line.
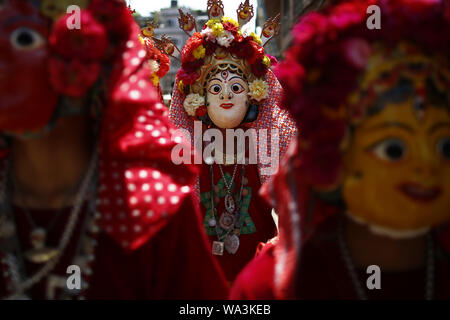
212,222
232,243
226,221
40,253
217,248
229,203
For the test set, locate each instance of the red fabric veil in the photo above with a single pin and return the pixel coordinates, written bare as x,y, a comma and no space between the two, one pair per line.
135,158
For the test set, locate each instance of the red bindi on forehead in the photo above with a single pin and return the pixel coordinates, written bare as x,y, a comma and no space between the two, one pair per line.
224,75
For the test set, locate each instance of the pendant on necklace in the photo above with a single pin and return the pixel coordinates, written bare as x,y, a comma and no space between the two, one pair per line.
217,248
229,203
212,222
40,253
226,221
232,243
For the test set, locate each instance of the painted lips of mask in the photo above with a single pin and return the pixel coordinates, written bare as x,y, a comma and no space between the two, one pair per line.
418,193
227,105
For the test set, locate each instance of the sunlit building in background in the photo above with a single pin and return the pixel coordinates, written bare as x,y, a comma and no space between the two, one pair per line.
167,19
290,11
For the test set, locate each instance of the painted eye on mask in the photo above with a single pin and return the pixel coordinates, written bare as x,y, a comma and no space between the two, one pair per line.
443,147
237,88
390,150
215,89
26,39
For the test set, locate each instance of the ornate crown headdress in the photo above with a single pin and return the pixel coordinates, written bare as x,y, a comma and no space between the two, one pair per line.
222,44
428,75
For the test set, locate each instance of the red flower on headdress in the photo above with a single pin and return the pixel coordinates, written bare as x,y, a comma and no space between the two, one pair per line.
259,69
190,67
164,65
357,52
114,15
230,27
349,14
188,78
201,111
210,47
73,78
193,43
273,60
154,53
246,48
87,43
258,52
291,75
311,25
240,47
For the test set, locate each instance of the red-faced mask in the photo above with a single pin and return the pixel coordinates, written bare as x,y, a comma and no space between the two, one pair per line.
27,99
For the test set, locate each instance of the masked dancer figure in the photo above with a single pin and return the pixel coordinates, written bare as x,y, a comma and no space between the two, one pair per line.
226,87
364,192
91,204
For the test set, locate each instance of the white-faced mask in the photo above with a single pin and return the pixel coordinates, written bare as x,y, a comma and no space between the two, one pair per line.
227,99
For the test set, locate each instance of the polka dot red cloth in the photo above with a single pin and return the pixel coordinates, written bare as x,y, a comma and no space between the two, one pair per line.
140,188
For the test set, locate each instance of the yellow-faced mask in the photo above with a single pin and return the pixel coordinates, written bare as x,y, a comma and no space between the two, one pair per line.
397,163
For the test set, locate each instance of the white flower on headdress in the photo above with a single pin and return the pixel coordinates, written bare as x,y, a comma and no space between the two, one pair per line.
258,90
192,102
208,34
154,66
225,39
246,31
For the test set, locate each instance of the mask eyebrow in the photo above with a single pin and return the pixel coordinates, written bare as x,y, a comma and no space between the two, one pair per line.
390,125
439,125
236,77
30,22
216,79
20,20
